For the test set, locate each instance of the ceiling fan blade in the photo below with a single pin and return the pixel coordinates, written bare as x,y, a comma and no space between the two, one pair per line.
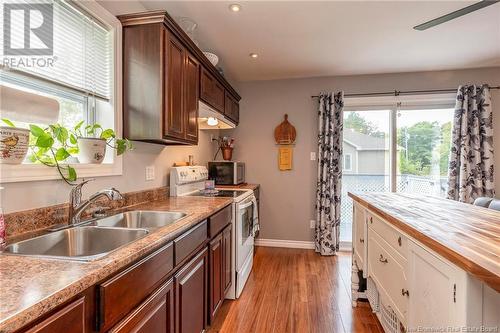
455,14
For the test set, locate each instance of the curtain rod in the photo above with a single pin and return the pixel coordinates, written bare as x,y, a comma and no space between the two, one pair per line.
408,92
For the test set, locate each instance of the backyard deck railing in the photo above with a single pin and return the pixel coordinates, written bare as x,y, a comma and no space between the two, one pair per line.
381,183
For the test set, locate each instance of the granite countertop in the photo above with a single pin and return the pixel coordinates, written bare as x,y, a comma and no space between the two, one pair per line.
31,287
466,235
244,186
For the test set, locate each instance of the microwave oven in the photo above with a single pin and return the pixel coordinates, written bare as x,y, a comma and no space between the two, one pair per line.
226,172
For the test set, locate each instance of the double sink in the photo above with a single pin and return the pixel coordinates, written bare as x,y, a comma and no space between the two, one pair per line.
96,238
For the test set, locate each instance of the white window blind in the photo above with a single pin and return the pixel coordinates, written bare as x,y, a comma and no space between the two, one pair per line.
82,49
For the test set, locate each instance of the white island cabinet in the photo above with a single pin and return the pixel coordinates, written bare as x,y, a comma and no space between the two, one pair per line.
422,274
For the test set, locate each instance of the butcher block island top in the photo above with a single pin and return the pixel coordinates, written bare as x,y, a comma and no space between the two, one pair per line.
466,235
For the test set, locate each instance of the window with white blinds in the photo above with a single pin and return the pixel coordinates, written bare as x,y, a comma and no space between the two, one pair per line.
82,50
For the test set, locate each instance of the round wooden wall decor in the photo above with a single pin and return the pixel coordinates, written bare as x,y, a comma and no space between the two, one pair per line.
285,133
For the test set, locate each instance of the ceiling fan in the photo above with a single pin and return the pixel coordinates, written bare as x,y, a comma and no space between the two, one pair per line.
455,14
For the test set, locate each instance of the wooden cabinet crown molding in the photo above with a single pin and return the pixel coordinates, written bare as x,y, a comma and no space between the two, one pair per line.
162,16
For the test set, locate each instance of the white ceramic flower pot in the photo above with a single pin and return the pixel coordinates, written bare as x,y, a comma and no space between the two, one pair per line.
91,150
13,144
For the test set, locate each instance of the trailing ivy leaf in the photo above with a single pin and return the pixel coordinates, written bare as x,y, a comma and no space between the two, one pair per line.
71,173
45,141
108,134
41,151
89,130
62,154
121,146
62,135
77,126
37,131
8,122
72,139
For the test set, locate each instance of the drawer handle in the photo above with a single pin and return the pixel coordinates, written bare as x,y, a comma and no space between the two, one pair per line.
361,240
371,219
405,292
400,241
382,259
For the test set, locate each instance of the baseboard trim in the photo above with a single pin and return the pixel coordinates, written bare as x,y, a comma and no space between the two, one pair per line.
292,244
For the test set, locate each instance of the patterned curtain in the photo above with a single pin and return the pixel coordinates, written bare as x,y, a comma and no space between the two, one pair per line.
470,174
329,185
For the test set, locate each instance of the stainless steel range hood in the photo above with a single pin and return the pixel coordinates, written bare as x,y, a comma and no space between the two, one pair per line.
205,112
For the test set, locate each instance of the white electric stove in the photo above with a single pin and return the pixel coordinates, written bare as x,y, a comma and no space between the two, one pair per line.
190,181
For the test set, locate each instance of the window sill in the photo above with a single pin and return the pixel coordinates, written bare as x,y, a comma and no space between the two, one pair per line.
36,172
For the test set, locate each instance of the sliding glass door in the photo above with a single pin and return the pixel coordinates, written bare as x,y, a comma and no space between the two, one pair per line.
366,166
394,150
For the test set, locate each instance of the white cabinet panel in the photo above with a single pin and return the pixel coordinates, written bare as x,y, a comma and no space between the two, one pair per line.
433,284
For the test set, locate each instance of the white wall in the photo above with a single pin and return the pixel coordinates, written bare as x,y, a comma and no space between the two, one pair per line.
287,202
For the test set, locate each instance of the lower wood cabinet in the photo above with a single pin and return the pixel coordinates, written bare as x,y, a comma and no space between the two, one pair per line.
70,319
219,251
227,258
216,290
190,290
176,288
155,314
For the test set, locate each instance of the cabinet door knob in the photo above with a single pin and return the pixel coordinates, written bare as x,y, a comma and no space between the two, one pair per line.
405,292
361,240
371,219
400,241
382,259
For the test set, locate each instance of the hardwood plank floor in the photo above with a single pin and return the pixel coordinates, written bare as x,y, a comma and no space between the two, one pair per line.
294,290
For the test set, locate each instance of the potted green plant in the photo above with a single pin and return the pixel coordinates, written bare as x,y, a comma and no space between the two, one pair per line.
92,141
55,145
13,143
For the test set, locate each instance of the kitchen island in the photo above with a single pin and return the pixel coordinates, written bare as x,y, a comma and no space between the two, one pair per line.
428,262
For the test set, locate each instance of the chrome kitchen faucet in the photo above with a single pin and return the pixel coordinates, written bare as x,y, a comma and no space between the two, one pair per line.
77,206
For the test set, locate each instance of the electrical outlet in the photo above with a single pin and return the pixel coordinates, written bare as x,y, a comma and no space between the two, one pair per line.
313,156
312,224
150,172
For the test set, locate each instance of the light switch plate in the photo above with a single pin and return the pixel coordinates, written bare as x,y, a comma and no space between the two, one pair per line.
150,172
313,156
312,224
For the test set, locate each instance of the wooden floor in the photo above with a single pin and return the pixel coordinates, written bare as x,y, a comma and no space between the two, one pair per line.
292,290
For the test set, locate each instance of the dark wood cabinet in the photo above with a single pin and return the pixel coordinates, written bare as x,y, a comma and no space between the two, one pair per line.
123,292
231,108
190,290
216,288
177,287
164,76
227,258
211,91
155,314
70,318
220,276
174,64
160,86
191,96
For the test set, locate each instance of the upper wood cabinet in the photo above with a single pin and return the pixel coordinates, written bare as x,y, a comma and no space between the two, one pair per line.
211,91
191,93
231,108
164,76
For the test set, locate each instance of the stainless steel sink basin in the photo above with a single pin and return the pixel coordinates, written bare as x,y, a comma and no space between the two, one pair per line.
80,243
141,219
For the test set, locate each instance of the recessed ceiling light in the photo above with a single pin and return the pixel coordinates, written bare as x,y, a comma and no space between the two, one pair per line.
235,7
253,55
